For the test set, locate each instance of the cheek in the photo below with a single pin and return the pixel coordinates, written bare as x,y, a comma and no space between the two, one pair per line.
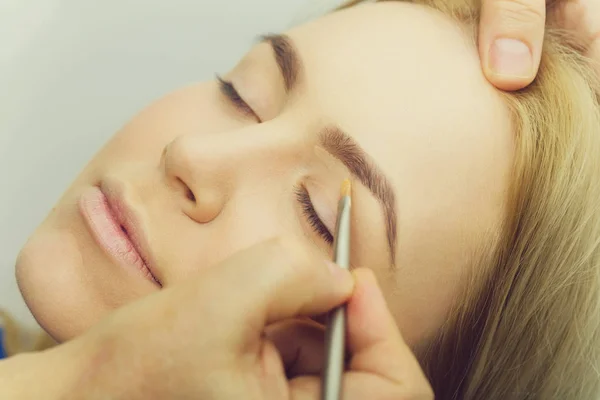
248,220
426,284
198,109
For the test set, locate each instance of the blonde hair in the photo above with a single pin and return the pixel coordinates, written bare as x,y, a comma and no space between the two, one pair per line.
528,325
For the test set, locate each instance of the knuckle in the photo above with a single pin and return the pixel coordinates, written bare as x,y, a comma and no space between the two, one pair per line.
414,389
520,13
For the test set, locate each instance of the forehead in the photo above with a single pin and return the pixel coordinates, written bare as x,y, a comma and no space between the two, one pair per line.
399,64
405,81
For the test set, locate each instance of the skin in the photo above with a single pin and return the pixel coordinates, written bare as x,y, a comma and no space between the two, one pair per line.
401,79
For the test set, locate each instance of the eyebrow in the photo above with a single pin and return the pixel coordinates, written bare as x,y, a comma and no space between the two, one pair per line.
344,148
286,57
339,144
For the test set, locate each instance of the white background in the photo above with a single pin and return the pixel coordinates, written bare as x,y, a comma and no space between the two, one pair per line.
73,71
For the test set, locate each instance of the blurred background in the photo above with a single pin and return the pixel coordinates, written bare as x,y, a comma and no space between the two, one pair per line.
72,72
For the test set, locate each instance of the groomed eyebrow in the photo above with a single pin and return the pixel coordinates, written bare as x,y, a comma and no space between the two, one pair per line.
339,144
287,58
344,148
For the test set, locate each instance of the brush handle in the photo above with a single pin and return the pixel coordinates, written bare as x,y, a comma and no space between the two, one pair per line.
334,360
335,334
341,242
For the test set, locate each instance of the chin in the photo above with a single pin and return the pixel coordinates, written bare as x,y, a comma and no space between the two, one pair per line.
44,272
68,284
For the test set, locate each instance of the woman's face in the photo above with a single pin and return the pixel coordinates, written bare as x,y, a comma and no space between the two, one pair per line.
389,94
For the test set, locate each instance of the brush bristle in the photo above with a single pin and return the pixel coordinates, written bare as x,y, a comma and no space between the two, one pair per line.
346,188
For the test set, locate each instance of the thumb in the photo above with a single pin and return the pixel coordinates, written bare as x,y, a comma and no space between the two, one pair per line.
511,35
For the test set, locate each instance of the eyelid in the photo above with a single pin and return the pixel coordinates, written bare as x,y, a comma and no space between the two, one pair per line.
322,205
228,89
312,215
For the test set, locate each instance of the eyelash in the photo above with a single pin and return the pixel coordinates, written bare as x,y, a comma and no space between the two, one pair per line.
231,93
313,218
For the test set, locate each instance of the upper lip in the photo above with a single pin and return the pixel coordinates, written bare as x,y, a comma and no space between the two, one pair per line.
130,220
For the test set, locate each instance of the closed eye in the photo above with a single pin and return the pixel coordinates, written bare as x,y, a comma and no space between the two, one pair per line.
311,215
230,92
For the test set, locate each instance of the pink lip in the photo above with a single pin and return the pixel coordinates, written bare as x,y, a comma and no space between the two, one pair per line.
115,228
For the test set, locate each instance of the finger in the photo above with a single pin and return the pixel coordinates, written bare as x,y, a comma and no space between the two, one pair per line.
382,365
374,340
300,344
358,386
274,280
511,35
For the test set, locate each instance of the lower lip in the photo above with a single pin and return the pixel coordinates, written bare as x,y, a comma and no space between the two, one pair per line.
109,234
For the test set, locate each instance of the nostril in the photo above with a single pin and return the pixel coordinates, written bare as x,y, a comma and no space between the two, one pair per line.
190,195
188,192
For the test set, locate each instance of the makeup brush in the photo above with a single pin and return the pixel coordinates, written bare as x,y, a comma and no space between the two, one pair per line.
335,333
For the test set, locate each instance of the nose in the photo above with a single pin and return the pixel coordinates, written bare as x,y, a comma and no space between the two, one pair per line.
199,176
209,170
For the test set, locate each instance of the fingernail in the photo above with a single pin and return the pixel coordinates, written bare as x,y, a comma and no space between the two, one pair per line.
510,57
